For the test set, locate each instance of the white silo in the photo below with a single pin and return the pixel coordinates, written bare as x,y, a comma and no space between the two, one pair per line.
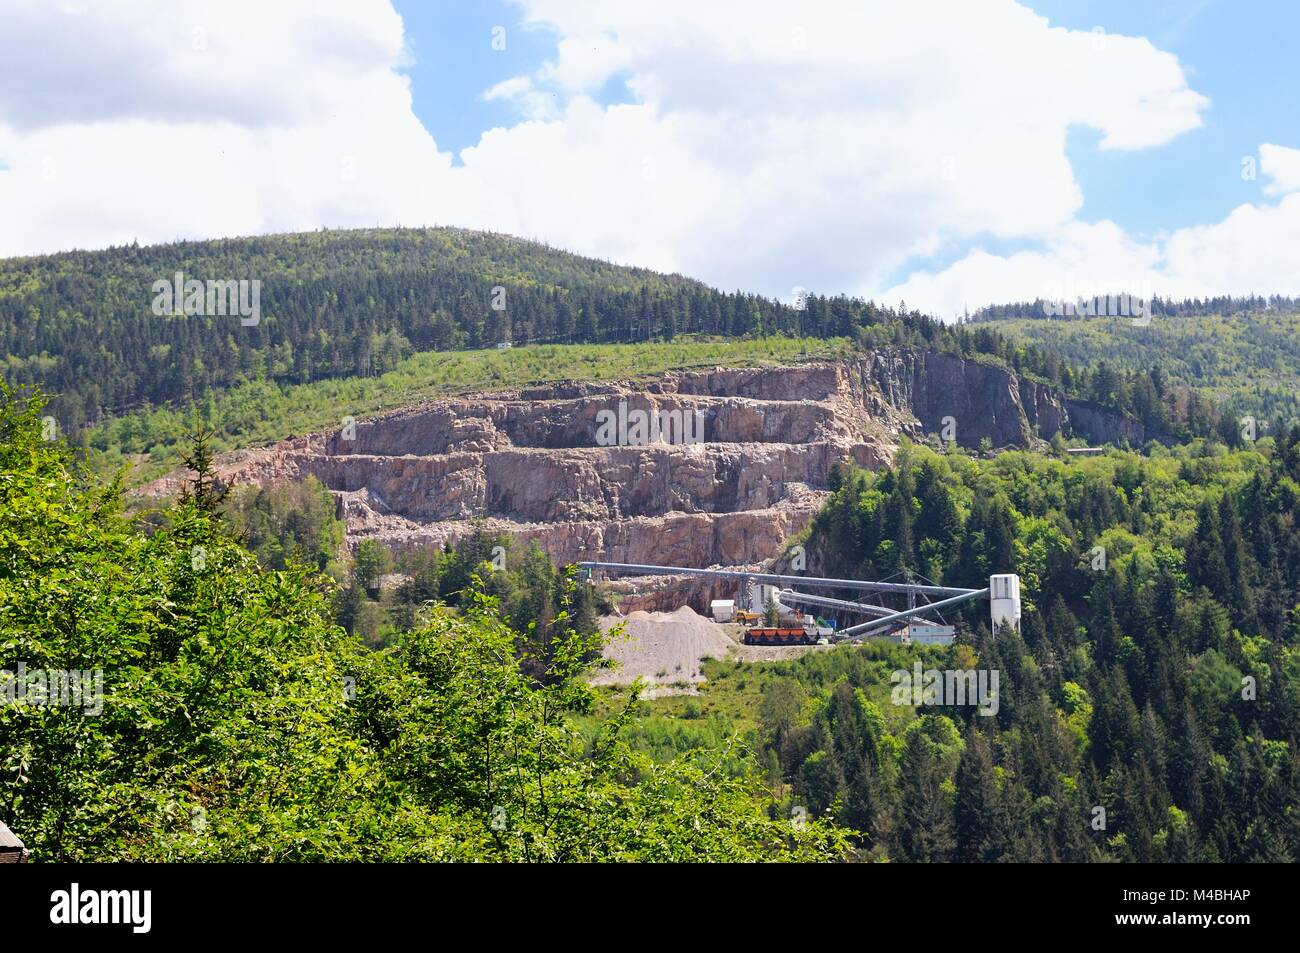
1004,601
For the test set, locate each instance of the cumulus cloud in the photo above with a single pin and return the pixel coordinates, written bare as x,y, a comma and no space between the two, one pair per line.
764,145
820,144
244,61
1078,261
1282,165
1254,250
175,120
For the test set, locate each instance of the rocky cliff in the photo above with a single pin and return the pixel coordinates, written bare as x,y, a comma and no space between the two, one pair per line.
981,400
563,464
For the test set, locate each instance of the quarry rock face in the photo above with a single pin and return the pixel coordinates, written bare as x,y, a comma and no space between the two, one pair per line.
1102,425
742,459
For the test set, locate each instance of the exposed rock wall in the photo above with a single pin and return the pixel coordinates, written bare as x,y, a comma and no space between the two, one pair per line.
983,400
530,462
1104,426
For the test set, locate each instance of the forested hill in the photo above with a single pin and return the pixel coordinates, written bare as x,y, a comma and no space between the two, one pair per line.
355,303
1213,307
332,304
350,304
1243,354
1149,704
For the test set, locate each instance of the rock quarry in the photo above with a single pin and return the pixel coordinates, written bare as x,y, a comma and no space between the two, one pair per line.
527,461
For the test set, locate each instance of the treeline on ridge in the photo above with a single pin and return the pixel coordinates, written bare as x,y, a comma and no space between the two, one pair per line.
355,303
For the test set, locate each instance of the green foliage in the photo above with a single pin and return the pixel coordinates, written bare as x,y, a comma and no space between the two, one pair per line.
1185,369
771,611
538,599
286,522
238,723
1129,686
370,561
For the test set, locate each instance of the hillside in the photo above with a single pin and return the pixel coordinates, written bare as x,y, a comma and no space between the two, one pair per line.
1244,359
529,462
1161,688
1159,685
332,304
1148,708
353,306
228,718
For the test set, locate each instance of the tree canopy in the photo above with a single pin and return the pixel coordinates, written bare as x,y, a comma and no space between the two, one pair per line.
238,722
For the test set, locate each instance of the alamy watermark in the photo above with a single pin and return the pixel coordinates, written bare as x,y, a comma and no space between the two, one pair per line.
640,428
131,908
954,687
1114,299
209,298
77,688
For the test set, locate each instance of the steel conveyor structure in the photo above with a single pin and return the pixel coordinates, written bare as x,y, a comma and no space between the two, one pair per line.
1003,593
788,596
634,569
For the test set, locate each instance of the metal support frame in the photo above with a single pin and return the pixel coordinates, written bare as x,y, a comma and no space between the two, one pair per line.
862,608
866,627
952,595
633,569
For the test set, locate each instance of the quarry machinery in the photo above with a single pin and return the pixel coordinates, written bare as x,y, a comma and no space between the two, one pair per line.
1002,593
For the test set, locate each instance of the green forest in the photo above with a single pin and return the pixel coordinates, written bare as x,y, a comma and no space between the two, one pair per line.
1149,708
1156,674
348,307
333,305
1242,356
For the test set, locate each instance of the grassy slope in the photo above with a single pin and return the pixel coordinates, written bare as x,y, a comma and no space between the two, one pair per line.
262,412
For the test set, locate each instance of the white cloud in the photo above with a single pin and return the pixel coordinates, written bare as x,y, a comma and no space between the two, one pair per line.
1282,165
533,102
823,144
769,145
1078,257
1254,250
246,61
160,121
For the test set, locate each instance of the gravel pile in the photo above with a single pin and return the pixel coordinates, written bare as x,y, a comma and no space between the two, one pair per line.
663,647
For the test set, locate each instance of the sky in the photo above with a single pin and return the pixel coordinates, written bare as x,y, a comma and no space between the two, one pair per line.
948,153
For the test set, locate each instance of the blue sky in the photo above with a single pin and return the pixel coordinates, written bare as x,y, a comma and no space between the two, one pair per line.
1239,53
450,71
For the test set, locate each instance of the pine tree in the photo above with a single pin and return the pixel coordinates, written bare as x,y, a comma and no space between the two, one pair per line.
855,738
205,490
977,810
1238,564
1206,564
926,834
899,519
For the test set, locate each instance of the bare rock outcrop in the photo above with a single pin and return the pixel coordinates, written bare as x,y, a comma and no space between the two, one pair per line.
747,466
